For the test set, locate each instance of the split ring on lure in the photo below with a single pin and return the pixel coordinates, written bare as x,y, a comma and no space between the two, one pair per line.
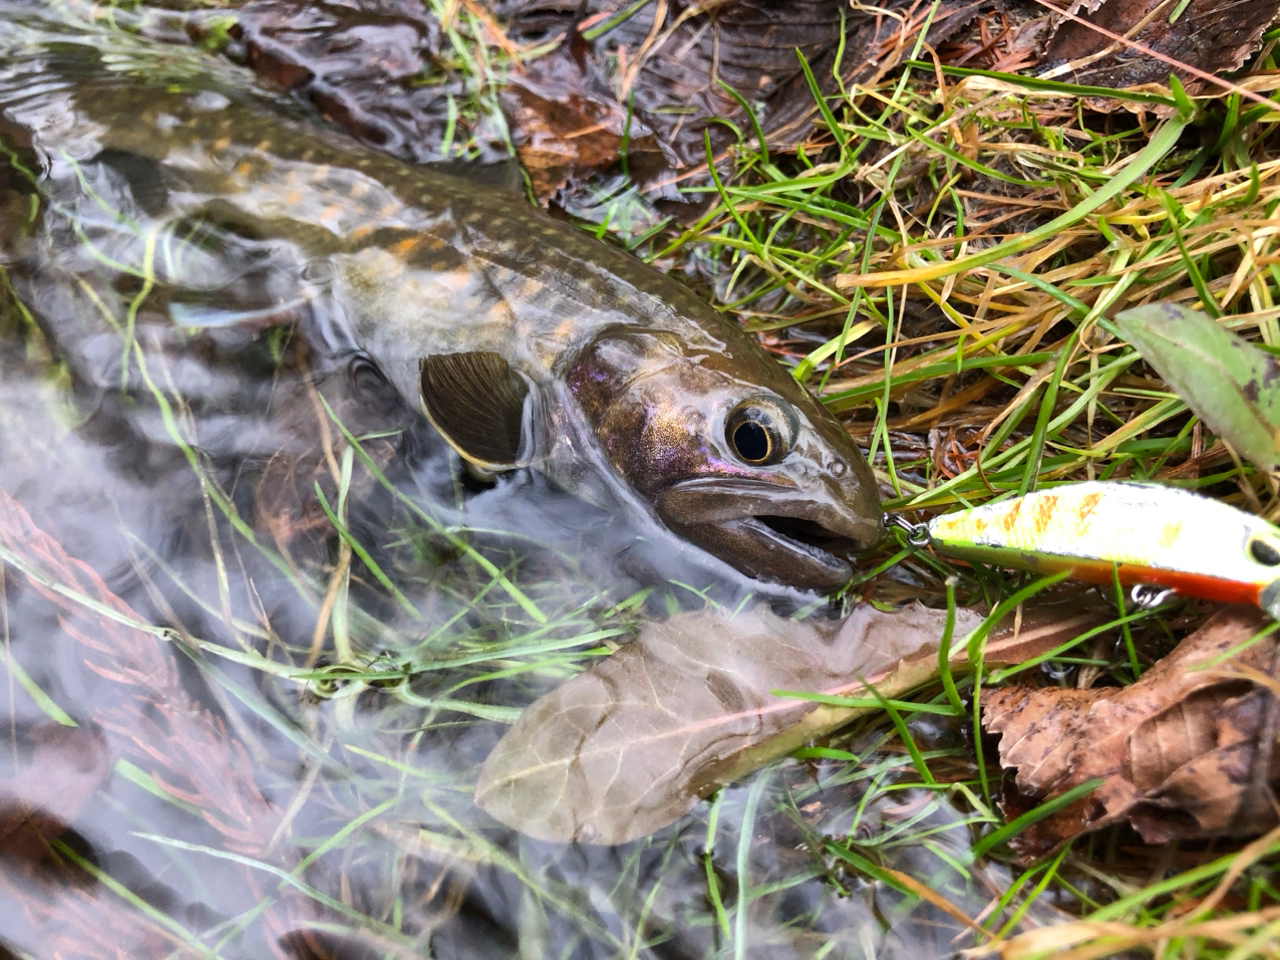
1137,533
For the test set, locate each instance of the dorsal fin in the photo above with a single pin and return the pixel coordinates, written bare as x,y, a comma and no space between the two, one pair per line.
477,402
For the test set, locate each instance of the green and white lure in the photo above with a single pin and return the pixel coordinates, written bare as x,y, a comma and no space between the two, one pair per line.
1136,533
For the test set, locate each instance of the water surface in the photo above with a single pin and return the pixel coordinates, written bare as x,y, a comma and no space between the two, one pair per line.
261,629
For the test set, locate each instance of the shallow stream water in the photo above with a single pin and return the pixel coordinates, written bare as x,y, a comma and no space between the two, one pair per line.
261,630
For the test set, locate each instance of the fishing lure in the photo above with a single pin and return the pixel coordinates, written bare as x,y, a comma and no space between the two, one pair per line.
1136,533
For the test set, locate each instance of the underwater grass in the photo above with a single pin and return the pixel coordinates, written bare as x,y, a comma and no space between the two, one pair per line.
384,679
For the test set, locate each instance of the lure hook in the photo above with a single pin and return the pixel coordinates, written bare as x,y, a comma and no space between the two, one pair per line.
917,533
1147,596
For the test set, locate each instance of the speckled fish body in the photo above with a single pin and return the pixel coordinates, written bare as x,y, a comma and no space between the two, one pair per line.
198,204
1134,532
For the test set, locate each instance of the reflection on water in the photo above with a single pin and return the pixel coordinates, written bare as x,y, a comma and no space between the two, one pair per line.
261,630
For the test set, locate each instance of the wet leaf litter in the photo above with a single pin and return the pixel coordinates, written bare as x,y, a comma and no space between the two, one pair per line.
1188,751
662,84
330,497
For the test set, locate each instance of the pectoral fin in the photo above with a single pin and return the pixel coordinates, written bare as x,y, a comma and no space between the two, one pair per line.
478,403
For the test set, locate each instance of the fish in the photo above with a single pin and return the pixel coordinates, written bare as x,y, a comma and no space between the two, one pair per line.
1133,533
170,200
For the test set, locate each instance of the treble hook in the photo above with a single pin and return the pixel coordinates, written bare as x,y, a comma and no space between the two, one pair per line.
1148,596
917,533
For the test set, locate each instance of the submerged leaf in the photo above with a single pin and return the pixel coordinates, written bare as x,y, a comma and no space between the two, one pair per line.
631,745
1233,386
690,705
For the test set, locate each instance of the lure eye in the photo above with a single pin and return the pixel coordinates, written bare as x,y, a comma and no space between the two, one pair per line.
761,431
1265,552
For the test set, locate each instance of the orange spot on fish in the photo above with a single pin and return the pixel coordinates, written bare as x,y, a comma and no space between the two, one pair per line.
221,144
405,246
362,231
293,198
331,213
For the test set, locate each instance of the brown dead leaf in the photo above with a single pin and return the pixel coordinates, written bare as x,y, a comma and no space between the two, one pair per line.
658,79
1125,43
287,507
1187,751
563,138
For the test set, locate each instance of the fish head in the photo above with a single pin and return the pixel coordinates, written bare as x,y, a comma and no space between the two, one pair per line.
730,453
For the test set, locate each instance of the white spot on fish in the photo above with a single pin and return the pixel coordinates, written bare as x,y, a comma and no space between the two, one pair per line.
208,101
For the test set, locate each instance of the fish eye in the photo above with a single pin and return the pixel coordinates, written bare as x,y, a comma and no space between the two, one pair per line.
761,431
1264,552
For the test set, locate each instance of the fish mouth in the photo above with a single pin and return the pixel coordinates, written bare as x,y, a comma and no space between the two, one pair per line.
779,534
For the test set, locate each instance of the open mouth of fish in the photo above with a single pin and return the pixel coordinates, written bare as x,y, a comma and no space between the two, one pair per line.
771,533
